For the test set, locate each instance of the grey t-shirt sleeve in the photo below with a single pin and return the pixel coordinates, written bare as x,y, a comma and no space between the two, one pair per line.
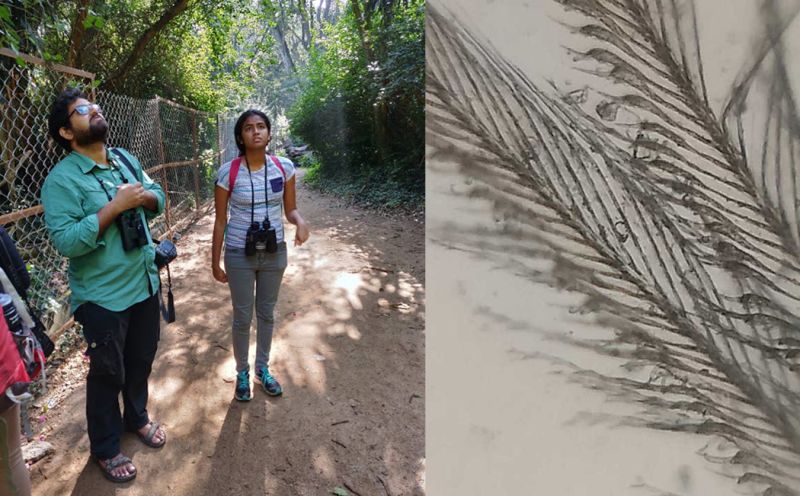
288,167
223,175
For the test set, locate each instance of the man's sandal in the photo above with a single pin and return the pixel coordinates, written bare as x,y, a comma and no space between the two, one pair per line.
108,466
148,438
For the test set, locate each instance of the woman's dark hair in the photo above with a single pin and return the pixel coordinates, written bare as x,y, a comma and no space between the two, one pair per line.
237,129
59,115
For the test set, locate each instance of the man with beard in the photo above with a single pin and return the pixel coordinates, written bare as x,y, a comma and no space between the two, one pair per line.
91,199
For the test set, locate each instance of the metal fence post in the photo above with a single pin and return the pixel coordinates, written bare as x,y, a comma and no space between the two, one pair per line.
196,168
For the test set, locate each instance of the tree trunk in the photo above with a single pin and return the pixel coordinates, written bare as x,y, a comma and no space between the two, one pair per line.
362,25
327,13
138,50
76,34
283,47
387,8
363,19
305,36
283,50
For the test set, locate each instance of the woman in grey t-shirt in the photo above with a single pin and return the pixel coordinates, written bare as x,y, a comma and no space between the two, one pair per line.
257,188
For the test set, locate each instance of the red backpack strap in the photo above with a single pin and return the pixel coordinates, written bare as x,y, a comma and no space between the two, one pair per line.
279,165
233,173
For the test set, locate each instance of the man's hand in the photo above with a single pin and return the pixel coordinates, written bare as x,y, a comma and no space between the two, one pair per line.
129,196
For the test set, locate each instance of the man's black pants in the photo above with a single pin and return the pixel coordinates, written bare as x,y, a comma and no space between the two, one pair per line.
121,349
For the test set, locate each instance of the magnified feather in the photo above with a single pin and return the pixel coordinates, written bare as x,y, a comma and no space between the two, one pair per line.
678,222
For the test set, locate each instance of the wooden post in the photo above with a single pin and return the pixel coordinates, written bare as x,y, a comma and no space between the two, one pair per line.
219,141
166,198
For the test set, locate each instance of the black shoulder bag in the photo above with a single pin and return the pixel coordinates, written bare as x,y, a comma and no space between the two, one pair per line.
17,272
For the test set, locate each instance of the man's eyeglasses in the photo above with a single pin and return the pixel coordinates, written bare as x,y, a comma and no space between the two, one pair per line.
85,108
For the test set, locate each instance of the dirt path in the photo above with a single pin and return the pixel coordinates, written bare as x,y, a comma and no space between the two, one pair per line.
348,350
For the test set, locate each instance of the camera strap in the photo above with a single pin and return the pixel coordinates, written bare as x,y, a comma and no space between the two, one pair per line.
121,156
127,163
168,308
253,194
111,168
108,195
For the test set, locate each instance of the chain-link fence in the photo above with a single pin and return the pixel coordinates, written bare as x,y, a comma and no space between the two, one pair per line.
179,147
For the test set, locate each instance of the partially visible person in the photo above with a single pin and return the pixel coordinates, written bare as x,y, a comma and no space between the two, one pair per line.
97,201
14,476
258,188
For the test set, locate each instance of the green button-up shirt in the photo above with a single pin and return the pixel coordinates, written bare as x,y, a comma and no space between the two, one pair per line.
100,270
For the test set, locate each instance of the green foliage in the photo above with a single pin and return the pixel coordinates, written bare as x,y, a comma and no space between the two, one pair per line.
192,61
353,85
361,109
313,175
20,21
208,57
373,190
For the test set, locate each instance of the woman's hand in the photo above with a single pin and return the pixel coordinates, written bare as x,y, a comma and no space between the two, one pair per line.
301,234
220,222
219,274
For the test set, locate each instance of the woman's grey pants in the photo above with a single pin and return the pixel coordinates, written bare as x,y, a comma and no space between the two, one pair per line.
264,271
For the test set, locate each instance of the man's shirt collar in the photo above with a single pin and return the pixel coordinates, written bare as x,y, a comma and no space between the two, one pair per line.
86,164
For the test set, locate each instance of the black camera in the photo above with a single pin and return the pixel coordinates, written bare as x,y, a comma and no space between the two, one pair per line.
132,230
260,237
166,252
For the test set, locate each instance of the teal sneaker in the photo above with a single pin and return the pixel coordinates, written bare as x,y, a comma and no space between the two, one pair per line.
271,386
242,386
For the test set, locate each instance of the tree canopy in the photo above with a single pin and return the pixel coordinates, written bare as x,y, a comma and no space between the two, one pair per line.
347,73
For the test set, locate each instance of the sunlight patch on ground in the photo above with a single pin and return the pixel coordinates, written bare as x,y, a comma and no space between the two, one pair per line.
173,357
192,320
394,462
227,368
350,284
420,476
165,387
270,484
305,366
385,307
202,348
323,463
307,324
319,262
343,328
408,288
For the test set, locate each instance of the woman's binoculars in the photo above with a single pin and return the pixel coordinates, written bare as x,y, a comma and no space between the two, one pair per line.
260,237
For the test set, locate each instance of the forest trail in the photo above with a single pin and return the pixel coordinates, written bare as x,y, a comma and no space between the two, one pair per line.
348,350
